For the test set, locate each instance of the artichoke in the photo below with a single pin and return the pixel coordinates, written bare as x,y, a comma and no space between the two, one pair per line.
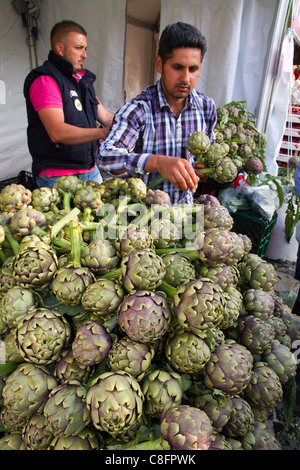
132,238
68,368
100,256
103,297
144,316
281,359
217,216
27,388
240,420
187,352
179,269
198,143
233,307
42,335
157,196
186,428
258,302
254,333
12,441
261,437
91,344
35,434
199,304
13,197
130,356
142,269
264,390
66,411
115,401
217,246
217,406
45,199
26,221
220,274
229,368
69,283
162,390
87,439
256,273
34,267
16,303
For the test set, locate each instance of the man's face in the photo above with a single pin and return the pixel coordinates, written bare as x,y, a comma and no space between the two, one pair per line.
180,73
73,49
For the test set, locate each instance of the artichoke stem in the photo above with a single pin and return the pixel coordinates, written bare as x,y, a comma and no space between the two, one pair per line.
159,179
169,290
75,243
67,201
190,252
113,274
12,241
60,224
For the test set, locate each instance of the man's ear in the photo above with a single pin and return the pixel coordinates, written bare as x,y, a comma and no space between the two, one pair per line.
158,64
59,48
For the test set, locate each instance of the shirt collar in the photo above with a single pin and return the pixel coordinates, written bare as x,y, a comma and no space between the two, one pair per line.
191,98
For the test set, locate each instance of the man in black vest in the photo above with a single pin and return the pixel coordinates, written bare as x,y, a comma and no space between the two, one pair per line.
63,110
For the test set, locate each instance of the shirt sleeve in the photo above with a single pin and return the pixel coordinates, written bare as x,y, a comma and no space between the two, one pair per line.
117,150
44,93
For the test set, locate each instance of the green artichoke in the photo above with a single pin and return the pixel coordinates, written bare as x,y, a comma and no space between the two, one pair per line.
16,303
45,199
68,368
241,419
87,439
233,307
254,333
162,390
103,297
142,269
217,406
35,434
187,352
186,428
198,143
281,359
179,269
100,256
42,335
12,441
256,273
27,388
144,316
130,356
261,437
221,274
13,197
70,282
132,238
66,411
115,401
258,302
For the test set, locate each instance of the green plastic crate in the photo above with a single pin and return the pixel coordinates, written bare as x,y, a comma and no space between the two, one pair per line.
24,177
258,229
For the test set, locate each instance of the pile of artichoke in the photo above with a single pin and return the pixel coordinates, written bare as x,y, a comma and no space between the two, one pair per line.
116,336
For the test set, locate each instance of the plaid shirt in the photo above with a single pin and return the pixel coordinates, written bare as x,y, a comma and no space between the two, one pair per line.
146,125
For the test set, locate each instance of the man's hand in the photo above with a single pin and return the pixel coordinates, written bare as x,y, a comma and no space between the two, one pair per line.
202,177
177,170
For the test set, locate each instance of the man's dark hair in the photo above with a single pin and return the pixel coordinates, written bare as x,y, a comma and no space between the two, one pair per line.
63,28
178,35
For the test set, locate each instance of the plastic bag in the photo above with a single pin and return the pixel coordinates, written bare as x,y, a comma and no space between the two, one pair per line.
233,200
263,200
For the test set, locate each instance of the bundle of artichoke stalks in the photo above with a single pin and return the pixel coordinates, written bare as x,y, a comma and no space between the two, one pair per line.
126,325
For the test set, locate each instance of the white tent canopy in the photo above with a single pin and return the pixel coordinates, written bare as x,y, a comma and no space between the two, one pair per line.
244,38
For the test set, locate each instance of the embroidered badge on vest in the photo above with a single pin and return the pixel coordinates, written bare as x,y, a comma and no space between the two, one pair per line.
78,105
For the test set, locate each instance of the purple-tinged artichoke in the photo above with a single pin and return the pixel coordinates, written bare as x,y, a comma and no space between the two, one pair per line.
42,335
134,189
255,334
115,401
279,327
68,368
217,216
241,418
186,428
216,405
27,388
229,368
66,411
13,197
233,307
88,200
256,273
218,442
281,359
130,356
187,352
11,420
217,246
199,304
238,251
45,199
144,316
260,437
258,302
162,390
91,344
292,323
157,196
221,274
264,390
164,233
25,221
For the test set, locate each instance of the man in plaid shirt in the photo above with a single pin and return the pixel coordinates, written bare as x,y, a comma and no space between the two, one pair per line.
149,134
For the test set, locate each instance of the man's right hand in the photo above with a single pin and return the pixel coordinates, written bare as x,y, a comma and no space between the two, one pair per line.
177,170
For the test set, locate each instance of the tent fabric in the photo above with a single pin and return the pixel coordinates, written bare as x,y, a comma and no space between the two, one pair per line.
239,35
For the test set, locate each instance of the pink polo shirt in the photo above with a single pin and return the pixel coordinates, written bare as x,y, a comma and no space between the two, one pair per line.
44,93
